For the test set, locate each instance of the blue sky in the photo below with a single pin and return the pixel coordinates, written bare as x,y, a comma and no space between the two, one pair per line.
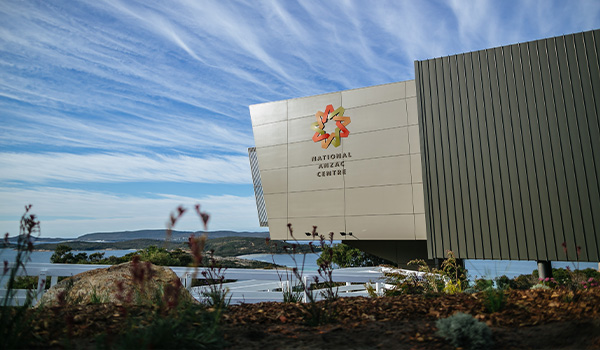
113,113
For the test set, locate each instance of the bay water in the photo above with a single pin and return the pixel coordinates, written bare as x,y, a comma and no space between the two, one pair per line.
489,269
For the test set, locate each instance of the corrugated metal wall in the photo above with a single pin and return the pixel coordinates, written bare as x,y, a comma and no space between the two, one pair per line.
510,141
258,190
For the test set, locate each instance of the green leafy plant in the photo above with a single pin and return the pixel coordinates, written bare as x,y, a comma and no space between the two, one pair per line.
456,274
483,284
539,286
315,313
217,296
95,298
450,278
290,279
522,282
494,300
325,270
464,331
342,255
29,283
407,283
371,290
187,326
291,294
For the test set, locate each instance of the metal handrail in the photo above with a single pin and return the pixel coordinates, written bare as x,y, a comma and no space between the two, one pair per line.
186,274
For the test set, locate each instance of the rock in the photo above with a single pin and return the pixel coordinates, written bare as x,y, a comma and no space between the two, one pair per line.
133,282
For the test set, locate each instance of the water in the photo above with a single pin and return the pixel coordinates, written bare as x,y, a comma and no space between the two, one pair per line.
489,269
310,264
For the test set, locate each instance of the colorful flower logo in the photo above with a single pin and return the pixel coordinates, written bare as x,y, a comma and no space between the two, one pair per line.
340,121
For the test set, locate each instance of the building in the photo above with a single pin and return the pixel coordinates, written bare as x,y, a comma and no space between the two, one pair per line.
493,154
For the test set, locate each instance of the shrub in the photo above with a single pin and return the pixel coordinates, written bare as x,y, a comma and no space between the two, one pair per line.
590,283
408,283
470,290
591,273
522,282
457,274
188,326
540,286
494,300
29,282
465,331
450,278
483,284
503,282
343,255
216,296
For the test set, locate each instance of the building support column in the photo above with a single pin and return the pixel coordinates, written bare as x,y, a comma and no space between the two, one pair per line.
544,268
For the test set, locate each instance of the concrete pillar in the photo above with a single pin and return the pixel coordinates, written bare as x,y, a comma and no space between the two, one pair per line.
544,268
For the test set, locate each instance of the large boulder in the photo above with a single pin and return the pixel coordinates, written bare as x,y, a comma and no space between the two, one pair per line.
129,283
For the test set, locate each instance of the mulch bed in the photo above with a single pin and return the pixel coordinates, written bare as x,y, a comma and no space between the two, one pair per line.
533,319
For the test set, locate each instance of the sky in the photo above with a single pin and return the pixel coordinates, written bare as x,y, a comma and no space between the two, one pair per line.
114,113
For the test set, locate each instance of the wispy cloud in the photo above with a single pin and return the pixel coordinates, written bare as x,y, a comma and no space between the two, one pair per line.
115,91
62,167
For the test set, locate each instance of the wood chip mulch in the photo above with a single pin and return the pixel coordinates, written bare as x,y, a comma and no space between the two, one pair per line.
533,319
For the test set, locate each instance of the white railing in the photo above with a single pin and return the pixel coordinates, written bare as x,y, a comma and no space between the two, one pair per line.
251,286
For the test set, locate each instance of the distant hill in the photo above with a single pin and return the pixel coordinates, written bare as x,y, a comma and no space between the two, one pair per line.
160,234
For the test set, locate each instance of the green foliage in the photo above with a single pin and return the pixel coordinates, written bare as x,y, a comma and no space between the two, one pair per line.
465,331
216,296
95,298
62,255
502,282
188,326
494,300
234,246
411,283
371,290
122,245
343,255
483,284
540,286
450,278
457,274
292,294
522,282
590,273
453,287
29,282
158,256
162,257
568,278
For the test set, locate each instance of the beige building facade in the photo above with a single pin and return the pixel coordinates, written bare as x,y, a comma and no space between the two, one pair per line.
366,190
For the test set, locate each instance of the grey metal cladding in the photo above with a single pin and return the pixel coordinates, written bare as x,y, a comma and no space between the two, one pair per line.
510,141
258,190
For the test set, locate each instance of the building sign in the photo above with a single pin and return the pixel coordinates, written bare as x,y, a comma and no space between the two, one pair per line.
340,121
331,164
